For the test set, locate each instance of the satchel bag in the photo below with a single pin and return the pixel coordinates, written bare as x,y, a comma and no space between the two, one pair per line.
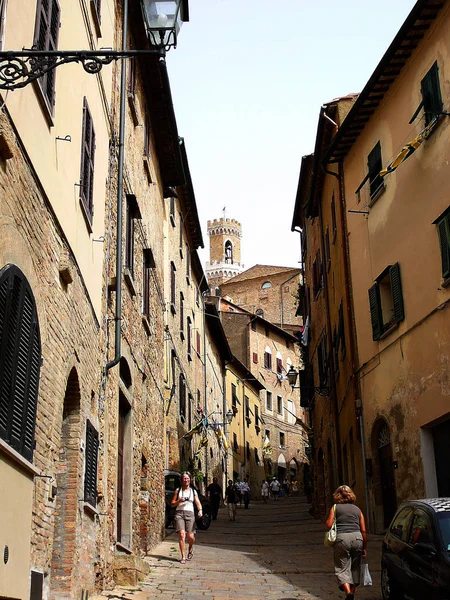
330,536
366,578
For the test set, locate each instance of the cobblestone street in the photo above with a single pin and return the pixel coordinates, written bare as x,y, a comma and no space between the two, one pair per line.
273,551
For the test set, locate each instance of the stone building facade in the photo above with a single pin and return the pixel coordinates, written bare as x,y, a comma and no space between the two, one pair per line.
404,392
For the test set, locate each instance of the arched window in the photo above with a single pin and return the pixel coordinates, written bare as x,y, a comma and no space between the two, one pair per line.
266,285
259,312
229,252
20,358
279,363
268,358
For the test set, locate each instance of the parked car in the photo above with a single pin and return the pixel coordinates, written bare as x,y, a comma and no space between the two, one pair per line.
173,482
415,559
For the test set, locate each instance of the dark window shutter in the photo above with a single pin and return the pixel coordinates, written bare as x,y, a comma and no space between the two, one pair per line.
90,474
46,38
374,164
375,312
87,162
444,240
431,94
397,295
20,355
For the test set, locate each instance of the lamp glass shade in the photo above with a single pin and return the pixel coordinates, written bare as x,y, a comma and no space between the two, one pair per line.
292,376
229,416
162,20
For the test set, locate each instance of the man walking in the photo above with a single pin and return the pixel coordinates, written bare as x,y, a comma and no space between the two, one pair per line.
275,488
214,492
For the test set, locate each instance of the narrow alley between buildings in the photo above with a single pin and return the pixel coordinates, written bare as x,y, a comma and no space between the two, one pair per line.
273,551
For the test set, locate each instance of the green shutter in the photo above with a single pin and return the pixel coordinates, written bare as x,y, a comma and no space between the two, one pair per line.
431,94
397,295
444,240
375,312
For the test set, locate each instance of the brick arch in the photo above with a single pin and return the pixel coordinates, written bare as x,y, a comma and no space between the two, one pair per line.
69,470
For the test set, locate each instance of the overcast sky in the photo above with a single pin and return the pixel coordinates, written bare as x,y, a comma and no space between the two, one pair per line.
248,79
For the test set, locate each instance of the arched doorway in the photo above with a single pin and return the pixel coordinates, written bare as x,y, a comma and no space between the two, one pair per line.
281,473
384,479
68,486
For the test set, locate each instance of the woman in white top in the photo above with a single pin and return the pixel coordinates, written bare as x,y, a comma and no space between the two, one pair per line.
184,499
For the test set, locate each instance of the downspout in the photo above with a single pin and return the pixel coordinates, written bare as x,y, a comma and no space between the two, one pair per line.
123,84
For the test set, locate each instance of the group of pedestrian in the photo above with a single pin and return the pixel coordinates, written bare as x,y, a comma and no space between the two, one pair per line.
236,493
276,489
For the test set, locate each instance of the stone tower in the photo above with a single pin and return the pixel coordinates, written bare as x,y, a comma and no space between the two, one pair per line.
224,252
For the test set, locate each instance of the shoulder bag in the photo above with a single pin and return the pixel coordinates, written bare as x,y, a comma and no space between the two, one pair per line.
330,536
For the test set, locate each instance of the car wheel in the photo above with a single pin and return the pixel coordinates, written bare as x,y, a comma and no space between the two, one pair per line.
389,589
205,521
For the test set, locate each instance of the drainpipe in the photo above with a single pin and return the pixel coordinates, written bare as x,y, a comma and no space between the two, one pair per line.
123,84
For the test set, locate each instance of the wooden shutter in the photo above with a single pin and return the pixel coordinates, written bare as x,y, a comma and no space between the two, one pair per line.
444,240
431,94
375,312
90,475
20,356
397,295
46,38
374,164
87,161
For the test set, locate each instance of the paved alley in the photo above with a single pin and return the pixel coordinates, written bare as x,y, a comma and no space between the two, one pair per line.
273,551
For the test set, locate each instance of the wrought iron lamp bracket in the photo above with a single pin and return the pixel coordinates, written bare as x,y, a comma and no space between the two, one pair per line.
18,69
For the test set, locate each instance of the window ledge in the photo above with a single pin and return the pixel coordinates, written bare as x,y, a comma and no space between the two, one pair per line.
379,192
123,548
446,282
18,458
90,510
388,331
129,281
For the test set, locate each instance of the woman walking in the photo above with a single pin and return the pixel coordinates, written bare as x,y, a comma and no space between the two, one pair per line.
351,539
184,499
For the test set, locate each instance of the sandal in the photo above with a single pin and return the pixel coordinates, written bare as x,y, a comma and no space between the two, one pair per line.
183,561
190,555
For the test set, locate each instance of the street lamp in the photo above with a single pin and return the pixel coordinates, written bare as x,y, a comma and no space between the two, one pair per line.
162,19
292,375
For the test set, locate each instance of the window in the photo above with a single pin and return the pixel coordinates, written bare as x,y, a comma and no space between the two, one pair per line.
132,76
188,265
149,264
421,531
317,273
279,405
279,363
266,285
182,396
147,136
199,347
291,419
269,400
90,471
234,400
322,360
247,407
235,442
257,459
132,213
172,287
97,15
374,164
267,435
400,524
443,227
46,38
248,452
255,358
341,330
282,440
181,245
189,341
182,315
430,89
87,164
229,252
327,250
256,409
172,210
333,218
20,359
268,358
386,301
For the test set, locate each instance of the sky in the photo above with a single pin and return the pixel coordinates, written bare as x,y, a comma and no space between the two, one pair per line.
248,79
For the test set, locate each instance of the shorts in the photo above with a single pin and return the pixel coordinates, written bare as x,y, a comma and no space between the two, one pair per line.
184,521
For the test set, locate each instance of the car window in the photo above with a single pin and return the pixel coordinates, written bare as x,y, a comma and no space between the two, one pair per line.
421,529
400,524
444,526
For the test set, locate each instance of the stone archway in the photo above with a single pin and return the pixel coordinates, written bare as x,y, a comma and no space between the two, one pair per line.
67,482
